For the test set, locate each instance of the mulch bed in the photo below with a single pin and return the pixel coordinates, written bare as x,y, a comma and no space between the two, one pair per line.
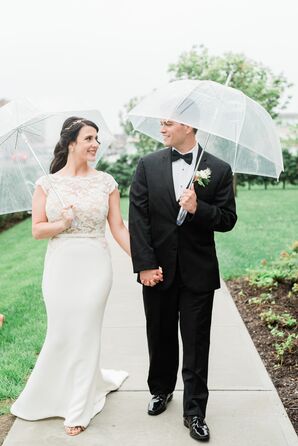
284,376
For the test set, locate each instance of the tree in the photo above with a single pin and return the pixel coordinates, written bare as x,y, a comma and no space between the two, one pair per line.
290,173
122,170
251,77
290,157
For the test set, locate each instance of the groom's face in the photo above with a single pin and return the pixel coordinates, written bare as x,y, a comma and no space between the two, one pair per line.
173,133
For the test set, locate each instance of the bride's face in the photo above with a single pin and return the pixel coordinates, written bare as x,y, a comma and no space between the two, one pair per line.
86,144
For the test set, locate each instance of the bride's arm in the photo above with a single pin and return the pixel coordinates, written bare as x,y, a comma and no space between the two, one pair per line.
41,228
117,226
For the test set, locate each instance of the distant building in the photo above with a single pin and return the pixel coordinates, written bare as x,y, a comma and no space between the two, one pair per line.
3,102
117,147
122,144
284,123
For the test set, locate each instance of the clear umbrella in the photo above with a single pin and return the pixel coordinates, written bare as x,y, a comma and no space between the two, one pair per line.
27,142
230,125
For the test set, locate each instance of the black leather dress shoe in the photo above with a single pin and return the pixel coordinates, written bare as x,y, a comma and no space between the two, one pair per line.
159,403
198,429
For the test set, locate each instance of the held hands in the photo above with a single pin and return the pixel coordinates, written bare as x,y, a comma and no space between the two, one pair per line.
188,200
151,277
67,216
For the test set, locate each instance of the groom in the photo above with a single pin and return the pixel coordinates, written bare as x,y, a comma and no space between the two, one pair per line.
177,265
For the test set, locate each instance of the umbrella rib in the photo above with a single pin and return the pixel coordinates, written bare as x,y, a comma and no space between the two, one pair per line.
184,100
24,127
246,147
30,131
9,136
38,120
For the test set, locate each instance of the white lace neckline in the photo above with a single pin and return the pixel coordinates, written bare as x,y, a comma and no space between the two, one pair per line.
73,177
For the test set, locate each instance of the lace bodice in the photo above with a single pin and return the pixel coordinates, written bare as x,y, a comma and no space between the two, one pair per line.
89,195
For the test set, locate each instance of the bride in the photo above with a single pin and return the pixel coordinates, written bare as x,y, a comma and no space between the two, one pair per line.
67,380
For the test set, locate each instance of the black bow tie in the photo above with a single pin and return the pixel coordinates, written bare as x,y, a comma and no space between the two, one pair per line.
176,156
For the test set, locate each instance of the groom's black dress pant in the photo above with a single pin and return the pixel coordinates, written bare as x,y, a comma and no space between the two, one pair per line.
164,308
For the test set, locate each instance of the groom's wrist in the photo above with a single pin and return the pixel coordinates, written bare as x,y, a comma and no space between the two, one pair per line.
194,209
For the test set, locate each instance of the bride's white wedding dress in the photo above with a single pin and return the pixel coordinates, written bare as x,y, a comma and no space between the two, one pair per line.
67,380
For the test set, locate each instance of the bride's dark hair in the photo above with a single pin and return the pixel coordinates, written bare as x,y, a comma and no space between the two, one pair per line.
69,134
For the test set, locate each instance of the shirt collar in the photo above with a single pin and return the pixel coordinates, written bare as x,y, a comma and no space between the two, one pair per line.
195,148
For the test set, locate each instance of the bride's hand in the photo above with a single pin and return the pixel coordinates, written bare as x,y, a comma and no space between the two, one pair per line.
67,216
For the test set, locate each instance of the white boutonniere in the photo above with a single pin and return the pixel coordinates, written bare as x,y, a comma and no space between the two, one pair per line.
203,177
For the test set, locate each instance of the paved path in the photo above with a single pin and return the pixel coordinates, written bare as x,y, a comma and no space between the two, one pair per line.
244,408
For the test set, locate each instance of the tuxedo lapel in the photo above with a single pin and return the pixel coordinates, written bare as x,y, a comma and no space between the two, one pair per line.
167,175
203,159
200,191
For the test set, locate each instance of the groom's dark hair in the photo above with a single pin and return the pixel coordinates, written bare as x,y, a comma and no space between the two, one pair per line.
186,108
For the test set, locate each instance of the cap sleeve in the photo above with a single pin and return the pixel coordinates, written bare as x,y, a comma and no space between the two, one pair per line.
44,183
112,183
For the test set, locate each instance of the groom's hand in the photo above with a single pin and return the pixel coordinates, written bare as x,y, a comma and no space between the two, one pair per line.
188,200
151,277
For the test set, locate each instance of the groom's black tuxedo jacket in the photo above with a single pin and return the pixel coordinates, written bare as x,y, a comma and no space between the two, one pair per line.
156,240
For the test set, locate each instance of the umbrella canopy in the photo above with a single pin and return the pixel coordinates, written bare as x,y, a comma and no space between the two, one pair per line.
238,129
27,142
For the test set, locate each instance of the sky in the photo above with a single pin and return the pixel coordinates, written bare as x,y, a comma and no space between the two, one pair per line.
82,54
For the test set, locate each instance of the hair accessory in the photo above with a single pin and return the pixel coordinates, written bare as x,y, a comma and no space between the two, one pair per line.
78,121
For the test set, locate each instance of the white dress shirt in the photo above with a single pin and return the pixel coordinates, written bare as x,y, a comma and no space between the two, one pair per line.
182,171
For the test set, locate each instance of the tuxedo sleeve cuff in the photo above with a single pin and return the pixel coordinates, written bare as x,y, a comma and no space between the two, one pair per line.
137,268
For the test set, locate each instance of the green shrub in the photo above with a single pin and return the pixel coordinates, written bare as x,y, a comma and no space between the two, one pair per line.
8,220
289,345
277,333
263,298
294,289
284,269
281,320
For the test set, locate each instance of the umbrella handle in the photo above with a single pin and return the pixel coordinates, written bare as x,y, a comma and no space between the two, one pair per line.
181,216
182,212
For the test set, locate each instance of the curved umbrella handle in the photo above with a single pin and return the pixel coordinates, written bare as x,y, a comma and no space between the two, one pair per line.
181,217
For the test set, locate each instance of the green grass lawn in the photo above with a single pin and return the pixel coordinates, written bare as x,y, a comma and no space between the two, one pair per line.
267,224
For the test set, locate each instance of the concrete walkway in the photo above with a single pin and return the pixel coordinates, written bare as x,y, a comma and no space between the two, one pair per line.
244,408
